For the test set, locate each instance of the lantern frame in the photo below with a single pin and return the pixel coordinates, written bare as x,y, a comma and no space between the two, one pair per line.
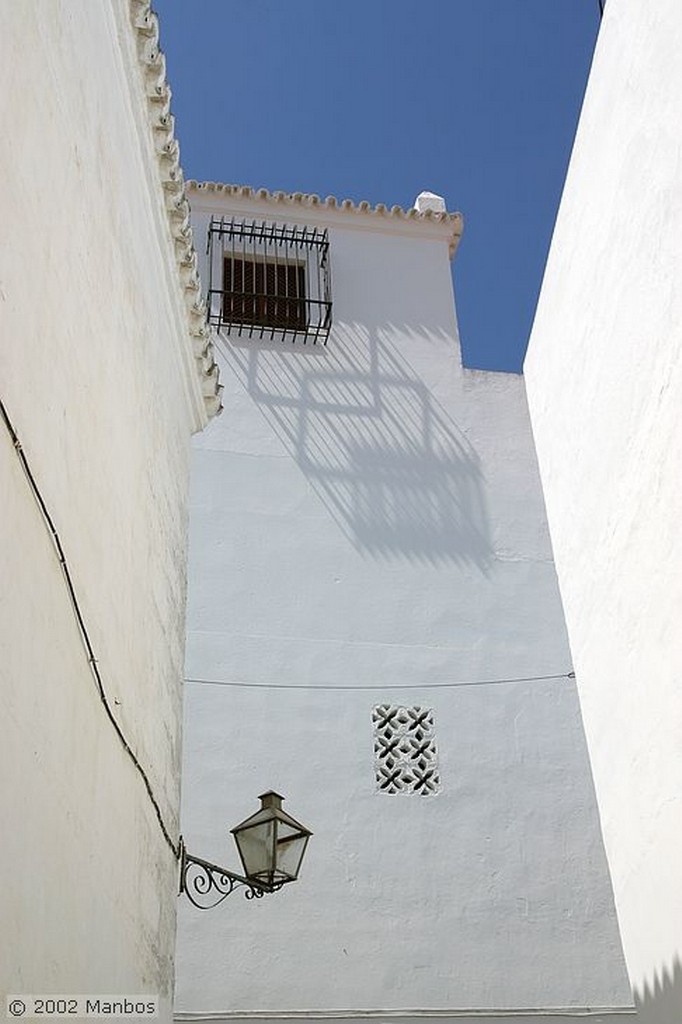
206,884
273,830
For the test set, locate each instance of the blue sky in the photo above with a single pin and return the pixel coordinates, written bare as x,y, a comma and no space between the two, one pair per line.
476,100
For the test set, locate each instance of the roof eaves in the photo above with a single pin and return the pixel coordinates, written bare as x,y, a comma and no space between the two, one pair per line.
153,64
302,199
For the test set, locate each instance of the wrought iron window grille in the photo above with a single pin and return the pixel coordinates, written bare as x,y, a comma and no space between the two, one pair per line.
269,280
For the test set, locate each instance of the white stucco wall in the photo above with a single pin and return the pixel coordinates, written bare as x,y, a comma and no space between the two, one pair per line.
91,374
368,516
605,389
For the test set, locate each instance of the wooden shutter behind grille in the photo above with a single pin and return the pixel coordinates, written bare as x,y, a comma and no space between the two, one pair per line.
264,294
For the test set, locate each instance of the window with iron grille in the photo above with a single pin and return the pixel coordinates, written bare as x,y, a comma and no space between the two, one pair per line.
269,280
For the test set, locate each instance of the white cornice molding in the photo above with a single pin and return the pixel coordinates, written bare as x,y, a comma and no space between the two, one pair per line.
145,26
301,201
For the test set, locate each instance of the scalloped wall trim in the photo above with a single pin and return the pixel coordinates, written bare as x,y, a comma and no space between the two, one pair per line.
145,25
311,201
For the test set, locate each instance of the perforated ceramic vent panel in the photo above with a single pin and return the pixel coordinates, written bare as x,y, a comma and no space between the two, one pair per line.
405,753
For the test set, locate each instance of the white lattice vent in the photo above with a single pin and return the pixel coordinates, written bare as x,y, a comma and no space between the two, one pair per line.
405,753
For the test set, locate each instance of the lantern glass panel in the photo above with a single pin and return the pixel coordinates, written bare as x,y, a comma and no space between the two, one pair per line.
290,848
257,849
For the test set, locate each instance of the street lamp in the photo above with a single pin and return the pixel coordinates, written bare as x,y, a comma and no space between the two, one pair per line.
271,846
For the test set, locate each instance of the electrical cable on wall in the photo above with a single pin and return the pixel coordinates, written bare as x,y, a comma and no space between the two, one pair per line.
92,661
380,686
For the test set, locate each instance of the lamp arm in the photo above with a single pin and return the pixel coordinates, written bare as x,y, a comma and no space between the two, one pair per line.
206,884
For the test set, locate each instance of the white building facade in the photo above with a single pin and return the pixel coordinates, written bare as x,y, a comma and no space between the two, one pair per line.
105,373
605,390
375,631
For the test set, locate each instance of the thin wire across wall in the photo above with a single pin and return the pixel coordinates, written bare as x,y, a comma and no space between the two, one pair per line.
94,667
82,629
381,686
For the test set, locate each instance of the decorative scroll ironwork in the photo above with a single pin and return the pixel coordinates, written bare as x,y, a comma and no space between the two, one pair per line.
206,885
269,280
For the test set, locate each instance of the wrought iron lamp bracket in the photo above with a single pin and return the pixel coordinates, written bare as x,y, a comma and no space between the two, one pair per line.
206,884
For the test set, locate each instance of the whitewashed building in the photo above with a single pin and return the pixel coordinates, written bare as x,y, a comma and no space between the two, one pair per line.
375,631
605,389
105,372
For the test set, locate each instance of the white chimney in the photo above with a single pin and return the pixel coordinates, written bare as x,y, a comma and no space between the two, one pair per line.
429,201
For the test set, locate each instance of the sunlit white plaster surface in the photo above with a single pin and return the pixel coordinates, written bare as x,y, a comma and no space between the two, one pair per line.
366,516
605,388
91,319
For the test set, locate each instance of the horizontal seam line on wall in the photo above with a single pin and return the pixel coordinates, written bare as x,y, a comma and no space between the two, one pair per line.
552,1011
297,638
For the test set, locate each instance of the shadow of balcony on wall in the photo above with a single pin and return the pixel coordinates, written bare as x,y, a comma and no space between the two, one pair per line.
661,1003
389,463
